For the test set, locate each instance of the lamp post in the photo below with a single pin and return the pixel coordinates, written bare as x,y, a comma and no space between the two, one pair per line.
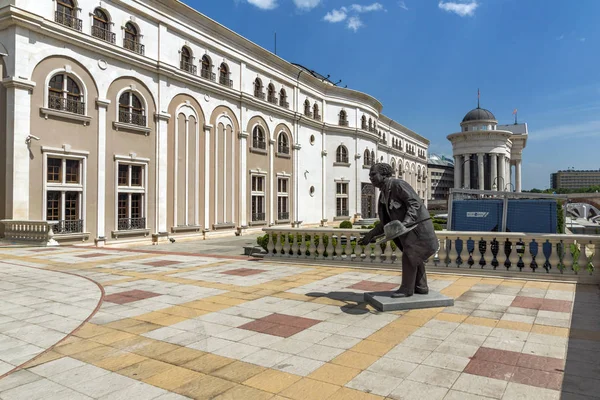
509,184
494,186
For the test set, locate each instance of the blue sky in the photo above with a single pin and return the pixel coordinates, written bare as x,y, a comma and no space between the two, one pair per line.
425,59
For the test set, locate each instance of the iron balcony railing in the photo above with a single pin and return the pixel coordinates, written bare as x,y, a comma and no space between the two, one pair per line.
134,46
128,224
132,118
189,67
283,149
283,216
258,216
66,104
259,94
103,34
343,122
272,99
224,80
67,20
259,144
68,226
206,74
283,103
343,213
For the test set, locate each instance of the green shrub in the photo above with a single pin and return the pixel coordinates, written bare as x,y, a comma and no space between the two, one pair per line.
437,227
346,225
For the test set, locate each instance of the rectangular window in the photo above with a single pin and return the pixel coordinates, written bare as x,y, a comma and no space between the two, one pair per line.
258,198
54,169
131,196
341,199
64,194
283,212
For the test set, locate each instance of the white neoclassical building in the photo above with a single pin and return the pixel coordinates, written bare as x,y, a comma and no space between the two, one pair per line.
485,152
126,119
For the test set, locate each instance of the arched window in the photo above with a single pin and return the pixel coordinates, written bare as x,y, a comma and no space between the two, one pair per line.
258,138
384,136
101,26
224,75
283,146
283,98
258,86
341,154
206,68
307,108
372,156
343,118
316,112
367,158
66,14
131,39
394,166
131,109
371,125
363,122
187,63
64,94
271,97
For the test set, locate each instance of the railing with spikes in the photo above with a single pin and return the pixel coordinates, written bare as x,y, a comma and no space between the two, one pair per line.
547,256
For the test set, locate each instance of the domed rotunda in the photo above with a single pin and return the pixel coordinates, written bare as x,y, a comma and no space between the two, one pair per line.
484,152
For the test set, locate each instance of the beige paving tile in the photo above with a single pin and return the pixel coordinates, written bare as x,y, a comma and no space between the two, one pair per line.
480,385
411,390
435,376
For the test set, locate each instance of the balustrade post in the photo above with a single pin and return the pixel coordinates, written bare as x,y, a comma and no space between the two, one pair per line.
270,245
388,253
486,248
567,259
554,258
513,257
295,245
338,246
377,252
329,249
596,256
321,247
312,247
453,253
527,256
579,262
286,245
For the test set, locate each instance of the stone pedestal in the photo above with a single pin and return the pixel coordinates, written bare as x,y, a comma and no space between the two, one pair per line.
383,301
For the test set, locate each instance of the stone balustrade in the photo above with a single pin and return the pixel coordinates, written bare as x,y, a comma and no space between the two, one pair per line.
29,232
569,257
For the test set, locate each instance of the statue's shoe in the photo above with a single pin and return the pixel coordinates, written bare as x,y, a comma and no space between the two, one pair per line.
400,293
422,291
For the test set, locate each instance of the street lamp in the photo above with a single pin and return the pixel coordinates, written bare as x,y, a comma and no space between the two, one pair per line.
509,184
494,186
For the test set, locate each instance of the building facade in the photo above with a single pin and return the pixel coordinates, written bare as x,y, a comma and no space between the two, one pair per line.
127,119
574,179
441,175
485,152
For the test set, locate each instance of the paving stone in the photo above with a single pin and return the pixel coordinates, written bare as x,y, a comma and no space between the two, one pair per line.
411,390
480,385
374,383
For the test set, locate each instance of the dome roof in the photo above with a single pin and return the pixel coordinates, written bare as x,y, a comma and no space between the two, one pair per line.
478,114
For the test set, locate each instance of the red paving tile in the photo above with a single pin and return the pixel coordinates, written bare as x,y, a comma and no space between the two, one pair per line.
547,364
527,302
129,296
258,326
162,263
298,322
284,330
139,294
490,369
532,377
119,299
244,272
542,304
497,356
92,255
371,286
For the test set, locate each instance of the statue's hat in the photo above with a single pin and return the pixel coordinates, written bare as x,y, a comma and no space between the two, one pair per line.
394,229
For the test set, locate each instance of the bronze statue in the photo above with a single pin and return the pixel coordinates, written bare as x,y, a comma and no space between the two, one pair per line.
405,220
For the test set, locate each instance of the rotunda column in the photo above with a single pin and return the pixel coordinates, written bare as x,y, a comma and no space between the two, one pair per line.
494,171
518,176
457,171
480,171
467,163
501,173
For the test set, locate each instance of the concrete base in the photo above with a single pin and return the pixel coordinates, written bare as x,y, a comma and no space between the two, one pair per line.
383,301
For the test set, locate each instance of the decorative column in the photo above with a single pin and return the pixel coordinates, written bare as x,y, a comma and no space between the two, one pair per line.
480,171
508,173
101,200
243,136
501,173
518,176
207,152
162,124
467,163
296,147
494,172
323,185
18,121
457,171
272,195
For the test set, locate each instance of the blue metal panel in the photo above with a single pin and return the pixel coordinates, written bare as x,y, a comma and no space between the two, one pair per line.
532,216
477,215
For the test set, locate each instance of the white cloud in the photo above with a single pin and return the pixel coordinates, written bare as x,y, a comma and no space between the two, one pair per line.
363,9
561,37
354,23
264,4
306,4
462,9
336,15
403,5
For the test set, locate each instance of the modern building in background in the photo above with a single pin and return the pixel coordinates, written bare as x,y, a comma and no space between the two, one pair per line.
485,152
130,119
441,176
574,179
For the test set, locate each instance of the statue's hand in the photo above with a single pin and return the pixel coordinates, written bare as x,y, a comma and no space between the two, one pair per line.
366,239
